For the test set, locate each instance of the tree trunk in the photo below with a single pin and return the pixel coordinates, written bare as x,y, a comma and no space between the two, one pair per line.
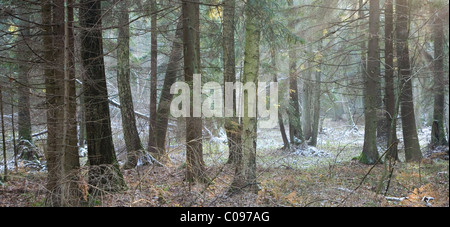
390,97
71,160
131,135
152,143
307,101
295,126
280,115
175,60
316,105
104,170
5,160
245,175
194,130
410,137
438,130
370,152
24,120
232,125
53,155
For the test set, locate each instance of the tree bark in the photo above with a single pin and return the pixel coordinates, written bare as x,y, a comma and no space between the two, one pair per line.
233,127
195,165
53,156
162,121
131,135
317,105
5,160
390,97
71,160
280,115
24,120
152,142
370,152
438,137
410,137
245,176
104,170
295,125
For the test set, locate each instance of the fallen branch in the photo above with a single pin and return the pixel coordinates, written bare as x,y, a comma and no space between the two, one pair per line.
395,199
116,104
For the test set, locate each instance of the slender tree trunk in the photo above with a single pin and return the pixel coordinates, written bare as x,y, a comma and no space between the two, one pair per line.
194,125
152,142
390,97
175,60
53,155
245,175
130,132
370,152
295,126
232,125
316,105
438,137
5,160
410,137
71,159
104,170
307,102
280,115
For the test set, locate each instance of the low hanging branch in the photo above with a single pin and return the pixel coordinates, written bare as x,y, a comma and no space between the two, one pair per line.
113,103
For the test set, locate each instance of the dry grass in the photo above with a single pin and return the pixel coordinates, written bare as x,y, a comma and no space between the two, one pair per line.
286,180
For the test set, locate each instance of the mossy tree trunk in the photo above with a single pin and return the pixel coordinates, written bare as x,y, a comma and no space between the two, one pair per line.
245,176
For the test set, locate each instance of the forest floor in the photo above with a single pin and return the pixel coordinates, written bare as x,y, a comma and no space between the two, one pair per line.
324,176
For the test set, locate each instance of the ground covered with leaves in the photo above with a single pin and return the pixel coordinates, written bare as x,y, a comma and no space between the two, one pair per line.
326,176
347,184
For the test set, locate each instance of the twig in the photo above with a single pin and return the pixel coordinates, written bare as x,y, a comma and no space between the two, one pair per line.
367,174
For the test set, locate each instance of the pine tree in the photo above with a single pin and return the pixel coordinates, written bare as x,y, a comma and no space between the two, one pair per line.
104,169
370,152
410,137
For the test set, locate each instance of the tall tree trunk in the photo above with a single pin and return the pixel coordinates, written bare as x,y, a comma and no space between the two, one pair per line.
152,143
104,170
71,159
307,101
370,152
53,155
410,137
24,120
131,135
316,105
175,60
390,97
438,130
245,175
232,125
194,124
5,160
295,125
280,115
